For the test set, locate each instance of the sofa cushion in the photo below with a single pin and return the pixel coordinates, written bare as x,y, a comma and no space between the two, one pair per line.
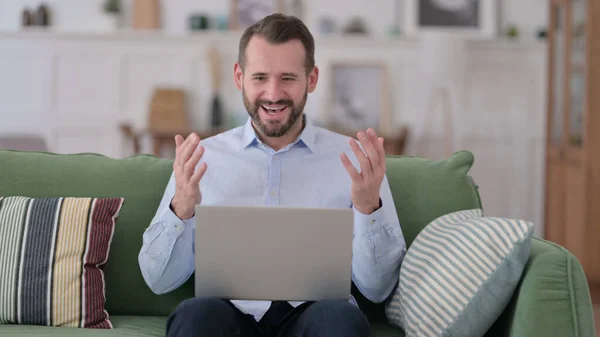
124,326
424,189
141,180
52,252
459,274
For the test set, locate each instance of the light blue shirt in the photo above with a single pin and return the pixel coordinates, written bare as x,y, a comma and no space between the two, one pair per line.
307,173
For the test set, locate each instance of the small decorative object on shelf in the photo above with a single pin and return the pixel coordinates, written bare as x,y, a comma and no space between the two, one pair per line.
198,22
27,18
244,13
42,17
512,32
112,7
39,17
326,25
356,26
146,14
394,31
223,22
542,33
111,20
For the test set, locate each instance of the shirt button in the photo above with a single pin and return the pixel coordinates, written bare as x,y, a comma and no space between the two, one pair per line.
273,193
372,222
178,227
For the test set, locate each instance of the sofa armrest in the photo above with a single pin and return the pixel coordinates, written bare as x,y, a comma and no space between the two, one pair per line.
552,298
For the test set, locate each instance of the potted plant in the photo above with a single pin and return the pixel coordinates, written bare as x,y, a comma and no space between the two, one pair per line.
112,14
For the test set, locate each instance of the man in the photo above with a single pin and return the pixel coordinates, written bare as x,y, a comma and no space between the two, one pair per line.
278,158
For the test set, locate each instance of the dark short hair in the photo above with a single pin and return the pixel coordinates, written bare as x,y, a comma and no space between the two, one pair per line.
279,28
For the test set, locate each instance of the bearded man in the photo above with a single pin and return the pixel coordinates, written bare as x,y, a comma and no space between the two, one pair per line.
278,158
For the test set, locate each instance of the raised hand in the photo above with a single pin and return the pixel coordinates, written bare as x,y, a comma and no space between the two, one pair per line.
187,178
366,183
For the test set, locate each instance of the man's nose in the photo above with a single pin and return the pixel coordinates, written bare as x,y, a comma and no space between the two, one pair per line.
274,92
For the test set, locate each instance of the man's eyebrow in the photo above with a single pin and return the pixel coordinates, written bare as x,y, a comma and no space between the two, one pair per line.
283,74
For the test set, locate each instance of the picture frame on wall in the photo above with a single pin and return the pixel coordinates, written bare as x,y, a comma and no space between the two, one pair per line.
244,13
359,97
476,19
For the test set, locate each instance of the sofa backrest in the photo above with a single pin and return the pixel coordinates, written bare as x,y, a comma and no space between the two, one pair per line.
422,191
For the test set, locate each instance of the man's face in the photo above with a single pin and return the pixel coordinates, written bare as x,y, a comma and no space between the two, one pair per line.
274,84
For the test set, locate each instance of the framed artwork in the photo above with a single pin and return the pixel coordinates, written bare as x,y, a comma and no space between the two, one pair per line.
359,97
468,18
244,13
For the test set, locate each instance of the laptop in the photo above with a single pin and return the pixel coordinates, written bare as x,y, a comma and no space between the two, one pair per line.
273,253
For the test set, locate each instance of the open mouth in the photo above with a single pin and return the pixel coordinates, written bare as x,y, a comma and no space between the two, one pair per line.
273,110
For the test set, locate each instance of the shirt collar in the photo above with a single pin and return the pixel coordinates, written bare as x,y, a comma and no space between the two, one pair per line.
307,136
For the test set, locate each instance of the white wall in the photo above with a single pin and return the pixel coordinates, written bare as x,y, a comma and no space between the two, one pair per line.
76,15
77,88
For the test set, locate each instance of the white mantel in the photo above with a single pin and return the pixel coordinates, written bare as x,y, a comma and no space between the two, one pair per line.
76,88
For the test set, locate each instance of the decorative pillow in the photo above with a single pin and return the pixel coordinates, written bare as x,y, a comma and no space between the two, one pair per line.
459,274
52,255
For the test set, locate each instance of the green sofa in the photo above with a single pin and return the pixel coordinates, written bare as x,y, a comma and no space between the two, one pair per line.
552,298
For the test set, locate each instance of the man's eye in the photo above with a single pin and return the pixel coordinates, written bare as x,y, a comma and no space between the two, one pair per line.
259,78
288,78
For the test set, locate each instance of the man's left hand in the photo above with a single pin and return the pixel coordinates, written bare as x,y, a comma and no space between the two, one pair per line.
367,183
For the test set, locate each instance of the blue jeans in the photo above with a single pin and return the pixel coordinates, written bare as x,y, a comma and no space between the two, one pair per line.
200,317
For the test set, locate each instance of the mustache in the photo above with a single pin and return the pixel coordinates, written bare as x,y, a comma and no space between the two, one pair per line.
285,102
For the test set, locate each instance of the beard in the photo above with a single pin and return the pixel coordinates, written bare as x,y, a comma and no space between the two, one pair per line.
271,128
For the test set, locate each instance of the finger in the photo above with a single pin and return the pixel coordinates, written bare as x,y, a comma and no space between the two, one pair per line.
190,145
181,144
196,156
191,164
369,141
178,141
183,154
378,145
354,175
178,144
365,166
195,180
382,158
185,142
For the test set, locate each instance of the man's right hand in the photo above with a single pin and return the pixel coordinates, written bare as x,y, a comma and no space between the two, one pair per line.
187,178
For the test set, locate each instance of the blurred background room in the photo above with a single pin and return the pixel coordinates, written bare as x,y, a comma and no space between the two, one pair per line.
506,80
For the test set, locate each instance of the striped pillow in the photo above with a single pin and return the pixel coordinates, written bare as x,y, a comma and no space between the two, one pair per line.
52,254
459,274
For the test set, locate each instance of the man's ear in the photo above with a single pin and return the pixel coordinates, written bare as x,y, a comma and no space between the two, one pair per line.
313,77
238,75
